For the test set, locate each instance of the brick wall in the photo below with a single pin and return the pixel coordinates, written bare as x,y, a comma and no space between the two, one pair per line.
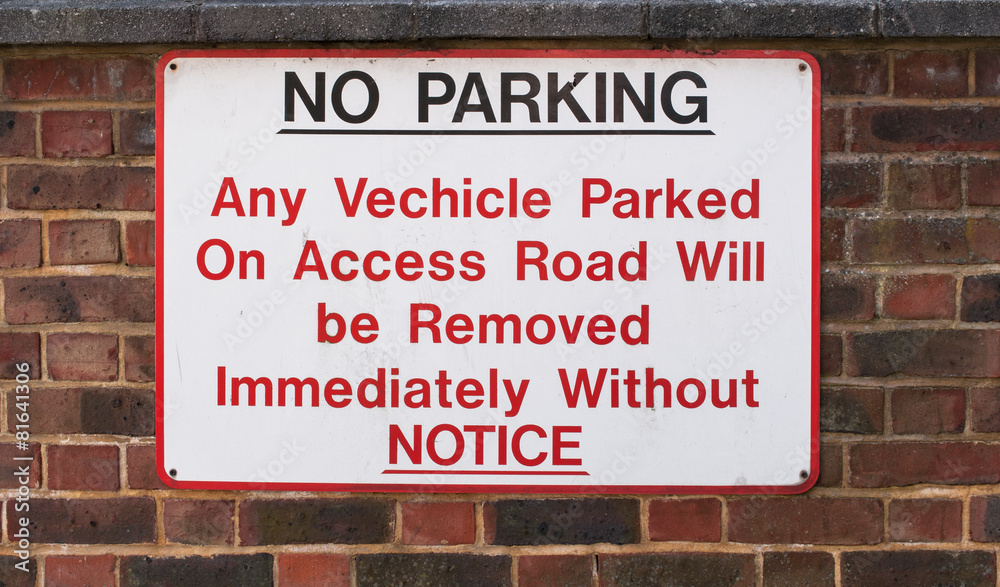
910,410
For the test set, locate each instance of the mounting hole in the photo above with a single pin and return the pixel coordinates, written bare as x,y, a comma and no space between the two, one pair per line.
802,474
173,472
802,66
173,66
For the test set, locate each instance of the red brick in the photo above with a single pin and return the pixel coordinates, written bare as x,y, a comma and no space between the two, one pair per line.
984,409
76,134
438,523
514,522
833,129
805,520
988,73
919,297
918,186
931,74
831,245
20,243
17,348
83,467
885,129
796,569
918,568
685,520
221,570
851,185
104,410
931,353
984,518
140,243
984,183
65,78
117,520
433,568
316,521
9,467
41,187
36,300
192,521
830,354
854,410
981,298
909,463
80,242
82,356
80,571
17,134
310,570
925,520
137,129
849,73
699,569
831,466
11,576
928,410
847,296
925,240
141,468
566,570
140,358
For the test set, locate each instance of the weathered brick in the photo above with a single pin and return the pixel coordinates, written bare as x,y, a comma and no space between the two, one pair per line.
847,296
11,576
514,522
855,410
196,521
224,570
83,467
918,567
830,354
919,186
42,187
17,134
833,129
80,571
297,569
925,520
884,129
984,183
36,300
851,185
831,247
689,569
137,129
941,353
556,571
831,466
79,242
82,356
926,240
140,243
795,569
854,72
685,520
805,520
76,133
931,74
20,243
17,348
140,358
141,468
919,297
432,569
988,73
128,412
66,78
909,463
118,520
438,523
9,467
984,409
981,298
928,410
316,521
984,518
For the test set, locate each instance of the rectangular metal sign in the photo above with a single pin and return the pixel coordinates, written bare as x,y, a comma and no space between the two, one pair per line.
530,271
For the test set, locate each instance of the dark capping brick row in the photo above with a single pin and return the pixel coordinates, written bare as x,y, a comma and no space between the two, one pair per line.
215,21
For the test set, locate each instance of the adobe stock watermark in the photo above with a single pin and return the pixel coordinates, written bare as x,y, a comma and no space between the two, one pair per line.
19,525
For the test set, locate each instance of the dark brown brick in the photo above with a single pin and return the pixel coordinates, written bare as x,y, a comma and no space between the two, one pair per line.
515,522
685,520
76,133
9,467
854,73
908,463
556,571
928,410
42,187
119,520
796,569
919,297
82,356
300,569
988,73
17,134
138,132
917,568
140,358
918,186
805,520
833,129
316,521
984,518
931,74
932,353
831,466
926,240
20,243
127,412
830,354
847,296
855,410
925,520
82,467
18,348
140,243
885,129
141,468
376,570
984,411
984,183
195,521
80,242
224,570
851,185
688,569
65,78
36,300
11,576
437,523
981,298
831,239
80,571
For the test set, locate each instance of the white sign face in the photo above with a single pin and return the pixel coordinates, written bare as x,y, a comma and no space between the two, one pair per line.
488,271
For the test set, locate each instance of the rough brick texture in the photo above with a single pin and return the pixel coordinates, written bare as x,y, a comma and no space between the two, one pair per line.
82,356
122,411
555,571
315,521
931,74
20,243
79,242
689,520
140,243
804,520
34,300
925,520
562,521
853,410
307,569
947,463
697,570
918,567
433,569
919,297
84,467
90,187
67,78
792,569
17,134
80,571
928,411
230,570
438,523
119,520
192,521
76,134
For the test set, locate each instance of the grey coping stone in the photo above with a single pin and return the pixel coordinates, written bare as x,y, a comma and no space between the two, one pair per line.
940,18
531,18
718,19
